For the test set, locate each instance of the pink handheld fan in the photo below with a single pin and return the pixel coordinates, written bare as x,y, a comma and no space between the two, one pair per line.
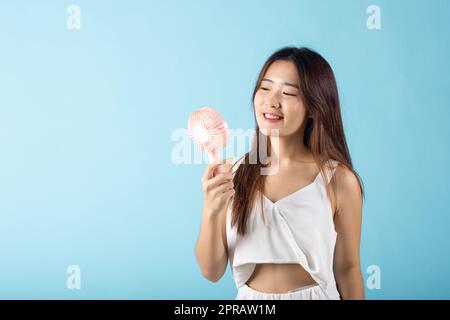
210,132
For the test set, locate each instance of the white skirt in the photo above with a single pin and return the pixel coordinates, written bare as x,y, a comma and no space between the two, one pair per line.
312,292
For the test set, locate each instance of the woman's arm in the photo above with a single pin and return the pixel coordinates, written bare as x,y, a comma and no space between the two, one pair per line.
347,221
211,248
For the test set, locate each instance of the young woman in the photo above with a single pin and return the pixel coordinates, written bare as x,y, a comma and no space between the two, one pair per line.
295,233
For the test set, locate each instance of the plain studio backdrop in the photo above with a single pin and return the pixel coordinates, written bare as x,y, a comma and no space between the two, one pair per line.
92,201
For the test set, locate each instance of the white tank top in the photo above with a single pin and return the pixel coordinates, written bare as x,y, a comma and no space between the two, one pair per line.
298,228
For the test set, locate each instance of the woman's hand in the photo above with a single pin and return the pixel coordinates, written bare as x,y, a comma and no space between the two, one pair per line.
218,188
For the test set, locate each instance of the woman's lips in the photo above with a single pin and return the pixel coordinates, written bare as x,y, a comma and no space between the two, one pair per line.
270,118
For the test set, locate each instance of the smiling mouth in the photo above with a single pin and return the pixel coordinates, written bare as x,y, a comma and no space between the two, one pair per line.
273,117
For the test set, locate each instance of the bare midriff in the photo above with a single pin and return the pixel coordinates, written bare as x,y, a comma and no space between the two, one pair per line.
279,278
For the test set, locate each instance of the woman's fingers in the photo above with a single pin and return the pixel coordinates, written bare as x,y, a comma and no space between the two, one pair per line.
209,171
224,187
219,179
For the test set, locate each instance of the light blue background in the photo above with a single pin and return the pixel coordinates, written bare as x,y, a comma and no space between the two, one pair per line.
86,118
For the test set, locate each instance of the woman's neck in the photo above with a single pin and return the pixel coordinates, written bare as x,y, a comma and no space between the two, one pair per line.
290,149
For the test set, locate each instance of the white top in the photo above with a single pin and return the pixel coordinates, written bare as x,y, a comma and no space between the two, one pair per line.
298,228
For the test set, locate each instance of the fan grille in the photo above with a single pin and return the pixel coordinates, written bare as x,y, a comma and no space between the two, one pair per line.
208,129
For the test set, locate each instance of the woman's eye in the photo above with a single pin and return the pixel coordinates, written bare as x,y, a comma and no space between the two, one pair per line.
265,89
290,94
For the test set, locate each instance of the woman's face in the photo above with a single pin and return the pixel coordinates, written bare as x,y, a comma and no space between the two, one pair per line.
277,101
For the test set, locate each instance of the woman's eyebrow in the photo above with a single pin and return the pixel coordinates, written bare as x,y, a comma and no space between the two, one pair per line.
285,83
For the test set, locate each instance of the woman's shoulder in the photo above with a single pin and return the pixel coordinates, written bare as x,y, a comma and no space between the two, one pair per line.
346,185
345,179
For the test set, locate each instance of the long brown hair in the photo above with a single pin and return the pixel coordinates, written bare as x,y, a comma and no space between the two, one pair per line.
323,134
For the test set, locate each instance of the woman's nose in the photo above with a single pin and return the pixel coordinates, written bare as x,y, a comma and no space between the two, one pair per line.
273,99
272,102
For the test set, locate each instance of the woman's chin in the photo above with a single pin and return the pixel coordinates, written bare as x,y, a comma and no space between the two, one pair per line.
270,131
